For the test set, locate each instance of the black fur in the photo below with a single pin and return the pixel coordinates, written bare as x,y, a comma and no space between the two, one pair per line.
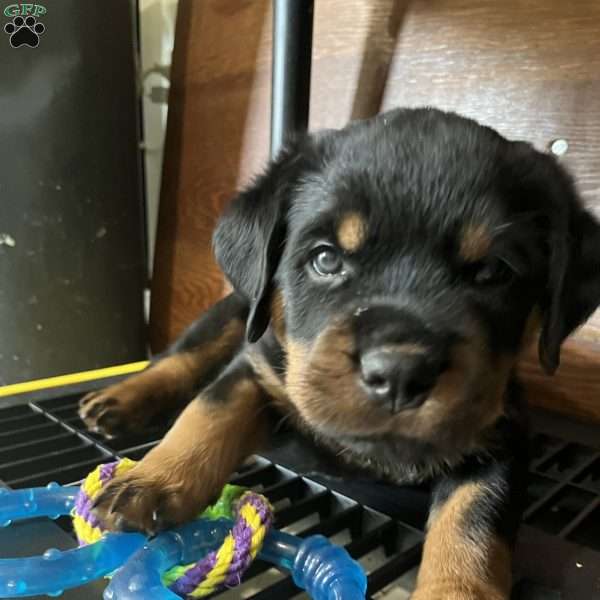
421,182
418,177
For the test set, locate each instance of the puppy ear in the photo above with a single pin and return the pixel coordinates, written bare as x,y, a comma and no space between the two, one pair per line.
250,236
574,276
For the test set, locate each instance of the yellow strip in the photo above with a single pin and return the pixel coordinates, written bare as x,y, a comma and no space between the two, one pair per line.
50,382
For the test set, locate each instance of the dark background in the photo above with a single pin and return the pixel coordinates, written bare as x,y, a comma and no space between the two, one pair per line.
71,194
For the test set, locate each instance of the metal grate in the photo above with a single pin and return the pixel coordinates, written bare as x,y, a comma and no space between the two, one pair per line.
44,440
564,490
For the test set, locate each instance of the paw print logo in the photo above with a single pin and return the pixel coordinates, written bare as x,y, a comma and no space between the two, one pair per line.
24,32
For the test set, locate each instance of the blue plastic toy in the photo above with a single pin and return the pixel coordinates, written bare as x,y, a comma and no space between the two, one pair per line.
325,571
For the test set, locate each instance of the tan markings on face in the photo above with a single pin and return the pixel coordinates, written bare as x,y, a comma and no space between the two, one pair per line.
475,242
323,383
352,232
409,349
461,564
268,379
533,327
278,316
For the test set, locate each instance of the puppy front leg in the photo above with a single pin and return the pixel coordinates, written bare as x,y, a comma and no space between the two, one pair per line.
204,349
178,478
467,551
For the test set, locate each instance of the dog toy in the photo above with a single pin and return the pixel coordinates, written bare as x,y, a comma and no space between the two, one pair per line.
222,567
215,549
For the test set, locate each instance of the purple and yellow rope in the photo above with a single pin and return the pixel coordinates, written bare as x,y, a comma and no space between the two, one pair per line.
224,567
85,523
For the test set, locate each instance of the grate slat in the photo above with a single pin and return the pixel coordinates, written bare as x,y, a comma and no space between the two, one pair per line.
33,434
23,453
11,412
25,423
65,476
319,504
391,570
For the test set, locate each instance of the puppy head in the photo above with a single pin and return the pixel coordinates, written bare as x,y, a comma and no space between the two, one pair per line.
416,253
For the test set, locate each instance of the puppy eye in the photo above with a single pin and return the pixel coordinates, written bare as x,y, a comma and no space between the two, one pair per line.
327,261
493,271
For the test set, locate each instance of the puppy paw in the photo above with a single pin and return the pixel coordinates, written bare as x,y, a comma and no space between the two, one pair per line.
126,407
152,497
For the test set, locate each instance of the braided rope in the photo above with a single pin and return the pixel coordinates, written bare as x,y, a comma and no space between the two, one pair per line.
223,567
86,524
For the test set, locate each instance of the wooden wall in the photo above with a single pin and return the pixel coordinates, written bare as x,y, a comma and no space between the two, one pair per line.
529,68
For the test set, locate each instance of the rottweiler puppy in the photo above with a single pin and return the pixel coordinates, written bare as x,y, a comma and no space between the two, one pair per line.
387,277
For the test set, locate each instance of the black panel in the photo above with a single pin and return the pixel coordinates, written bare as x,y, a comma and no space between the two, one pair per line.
72,261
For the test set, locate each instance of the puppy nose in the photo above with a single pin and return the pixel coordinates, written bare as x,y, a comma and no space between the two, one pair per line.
398,378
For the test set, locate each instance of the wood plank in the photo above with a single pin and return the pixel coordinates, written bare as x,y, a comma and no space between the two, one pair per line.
574,389
529,68
213,65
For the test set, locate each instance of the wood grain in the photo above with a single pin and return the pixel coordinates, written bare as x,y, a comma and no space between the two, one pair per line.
529,68
574,389
203,149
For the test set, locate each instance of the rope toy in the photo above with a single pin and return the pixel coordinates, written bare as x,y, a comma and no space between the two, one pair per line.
252,514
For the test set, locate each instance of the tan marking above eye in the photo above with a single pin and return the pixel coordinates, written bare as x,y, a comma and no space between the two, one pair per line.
403,348
532,329
278,316
352,231
267,377
475,242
